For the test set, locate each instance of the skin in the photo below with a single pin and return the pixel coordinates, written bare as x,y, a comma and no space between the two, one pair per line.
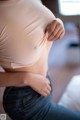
35,75
55,30
37,72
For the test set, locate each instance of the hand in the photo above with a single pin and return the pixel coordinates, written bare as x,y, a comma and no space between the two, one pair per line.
40,84
55,30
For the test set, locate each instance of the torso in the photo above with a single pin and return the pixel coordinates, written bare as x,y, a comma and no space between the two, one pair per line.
24,21
40,67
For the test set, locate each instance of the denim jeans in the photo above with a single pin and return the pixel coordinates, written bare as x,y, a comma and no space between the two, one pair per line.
23,103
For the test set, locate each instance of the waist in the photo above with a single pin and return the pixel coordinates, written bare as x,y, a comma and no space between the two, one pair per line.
40,67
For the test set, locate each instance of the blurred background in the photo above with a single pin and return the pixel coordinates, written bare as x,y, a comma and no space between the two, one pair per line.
64,57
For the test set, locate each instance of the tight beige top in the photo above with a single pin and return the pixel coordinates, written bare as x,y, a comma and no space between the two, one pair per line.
22,32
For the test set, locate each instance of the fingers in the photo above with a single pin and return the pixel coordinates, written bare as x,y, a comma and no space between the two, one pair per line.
44,94
47,81
41,85
46,91
59,35
55,30
49,88
50,28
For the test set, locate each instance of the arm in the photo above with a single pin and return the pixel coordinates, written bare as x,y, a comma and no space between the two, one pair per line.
13,79
37,82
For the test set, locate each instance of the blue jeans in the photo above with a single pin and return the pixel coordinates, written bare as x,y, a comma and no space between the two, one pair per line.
23,103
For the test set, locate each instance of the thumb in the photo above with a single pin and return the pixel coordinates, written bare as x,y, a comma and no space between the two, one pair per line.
48,81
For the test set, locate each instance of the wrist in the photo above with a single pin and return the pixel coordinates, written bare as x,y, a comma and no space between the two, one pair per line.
27,79
21,79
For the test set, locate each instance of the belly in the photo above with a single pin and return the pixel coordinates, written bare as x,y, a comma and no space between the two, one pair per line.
40,67
26,33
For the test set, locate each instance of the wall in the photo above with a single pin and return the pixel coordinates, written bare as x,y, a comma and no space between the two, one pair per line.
53,5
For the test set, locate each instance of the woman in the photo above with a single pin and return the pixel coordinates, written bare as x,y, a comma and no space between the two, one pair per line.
27,29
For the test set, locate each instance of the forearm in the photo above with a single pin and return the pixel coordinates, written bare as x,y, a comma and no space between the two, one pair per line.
37,82
13,79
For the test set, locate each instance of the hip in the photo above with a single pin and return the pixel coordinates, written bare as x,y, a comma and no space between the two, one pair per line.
25,101
15,93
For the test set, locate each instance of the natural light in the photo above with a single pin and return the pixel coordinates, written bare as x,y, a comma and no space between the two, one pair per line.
69,7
